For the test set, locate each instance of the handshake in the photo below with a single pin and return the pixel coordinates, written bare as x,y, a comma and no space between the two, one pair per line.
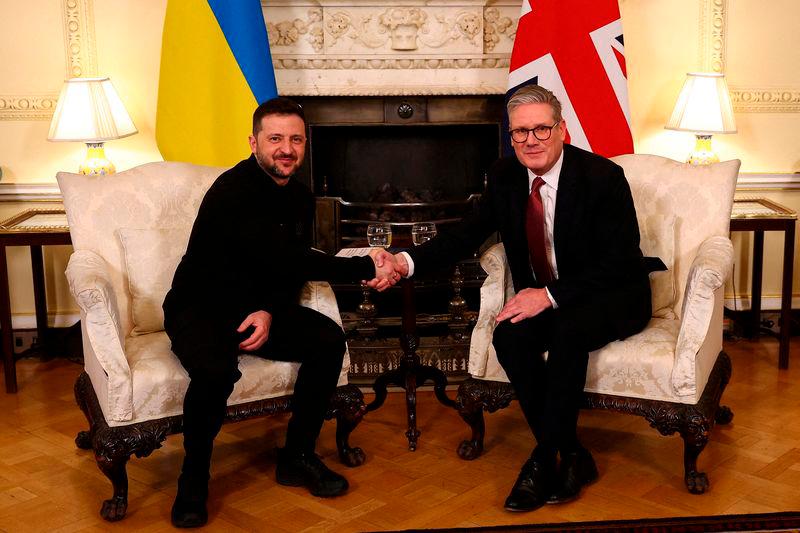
388,269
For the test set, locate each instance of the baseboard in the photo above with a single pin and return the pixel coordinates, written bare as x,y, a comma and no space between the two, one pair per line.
768,303
26,321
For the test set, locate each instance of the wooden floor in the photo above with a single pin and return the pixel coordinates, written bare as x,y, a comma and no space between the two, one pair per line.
47,484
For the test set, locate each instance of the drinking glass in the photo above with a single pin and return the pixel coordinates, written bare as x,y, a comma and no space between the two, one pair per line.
422,232
379,235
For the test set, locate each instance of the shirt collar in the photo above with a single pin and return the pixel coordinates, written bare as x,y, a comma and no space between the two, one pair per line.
551,176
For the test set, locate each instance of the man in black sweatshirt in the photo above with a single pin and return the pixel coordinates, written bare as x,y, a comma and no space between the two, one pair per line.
236,290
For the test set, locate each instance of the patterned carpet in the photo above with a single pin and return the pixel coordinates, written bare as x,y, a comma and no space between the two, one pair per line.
767,522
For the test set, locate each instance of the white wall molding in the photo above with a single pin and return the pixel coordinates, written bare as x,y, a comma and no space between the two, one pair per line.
14,192
712,49
80,59
58,319
768,303
27,107
768,181
79,40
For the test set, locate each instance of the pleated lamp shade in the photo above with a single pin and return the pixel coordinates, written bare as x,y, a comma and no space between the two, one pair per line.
90,110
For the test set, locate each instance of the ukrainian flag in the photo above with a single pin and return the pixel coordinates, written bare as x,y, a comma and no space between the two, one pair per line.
215,69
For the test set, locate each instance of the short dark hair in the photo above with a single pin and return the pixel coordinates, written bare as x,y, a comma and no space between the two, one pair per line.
276,106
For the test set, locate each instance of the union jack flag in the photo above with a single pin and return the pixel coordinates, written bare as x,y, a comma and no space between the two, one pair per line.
575,49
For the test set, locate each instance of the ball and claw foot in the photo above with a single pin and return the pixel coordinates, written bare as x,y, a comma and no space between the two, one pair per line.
353,457
114,509
724,415
469,450
696,482
84,440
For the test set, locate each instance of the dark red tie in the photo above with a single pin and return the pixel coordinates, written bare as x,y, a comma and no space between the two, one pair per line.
534,227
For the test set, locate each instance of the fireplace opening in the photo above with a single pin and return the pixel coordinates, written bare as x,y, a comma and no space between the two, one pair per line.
421,163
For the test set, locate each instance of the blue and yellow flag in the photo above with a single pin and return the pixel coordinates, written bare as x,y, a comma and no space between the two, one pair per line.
215,69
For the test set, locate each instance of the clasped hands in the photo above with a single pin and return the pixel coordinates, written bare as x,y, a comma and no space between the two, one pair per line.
389,269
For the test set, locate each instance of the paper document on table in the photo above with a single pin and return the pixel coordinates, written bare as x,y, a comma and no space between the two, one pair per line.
45,220
353,252
745,208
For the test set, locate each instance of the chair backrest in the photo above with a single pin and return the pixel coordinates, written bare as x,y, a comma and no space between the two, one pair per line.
154,195
699,197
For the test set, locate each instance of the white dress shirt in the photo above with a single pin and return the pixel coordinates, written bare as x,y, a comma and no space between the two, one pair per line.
548,191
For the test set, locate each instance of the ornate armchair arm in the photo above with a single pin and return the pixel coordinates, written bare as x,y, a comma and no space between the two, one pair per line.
696,349
496,289
104,354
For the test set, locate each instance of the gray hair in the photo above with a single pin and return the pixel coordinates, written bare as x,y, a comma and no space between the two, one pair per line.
534,94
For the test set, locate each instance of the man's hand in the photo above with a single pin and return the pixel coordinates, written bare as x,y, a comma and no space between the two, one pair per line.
401,265
261,321
526,304
386,274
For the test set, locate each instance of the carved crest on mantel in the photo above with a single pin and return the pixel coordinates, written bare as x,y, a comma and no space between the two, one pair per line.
325,46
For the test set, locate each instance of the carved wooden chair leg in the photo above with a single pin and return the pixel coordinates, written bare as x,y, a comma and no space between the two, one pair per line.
470,408
695,438
114,466
724,415
349,408
474,397
84,438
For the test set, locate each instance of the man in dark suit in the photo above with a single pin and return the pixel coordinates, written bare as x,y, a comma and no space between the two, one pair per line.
237,290
567,220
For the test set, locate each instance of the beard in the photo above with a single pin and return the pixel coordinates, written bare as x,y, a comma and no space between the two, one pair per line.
273,170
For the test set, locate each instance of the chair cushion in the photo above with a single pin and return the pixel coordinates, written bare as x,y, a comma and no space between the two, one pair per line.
151,257
658,240
639,366
160,382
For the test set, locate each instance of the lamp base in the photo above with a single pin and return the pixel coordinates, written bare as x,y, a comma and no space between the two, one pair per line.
702,154
96,162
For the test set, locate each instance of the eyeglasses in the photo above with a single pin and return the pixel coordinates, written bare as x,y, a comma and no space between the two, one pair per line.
542,133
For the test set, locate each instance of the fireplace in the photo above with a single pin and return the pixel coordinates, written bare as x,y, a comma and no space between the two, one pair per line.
397,160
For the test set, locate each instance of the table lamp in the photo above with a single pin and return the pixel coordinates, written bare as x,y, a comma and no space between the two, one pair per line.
89,110
703,107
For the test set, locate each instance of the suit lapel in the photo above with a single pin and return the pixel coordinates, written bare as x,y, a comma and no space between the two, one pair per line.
566,205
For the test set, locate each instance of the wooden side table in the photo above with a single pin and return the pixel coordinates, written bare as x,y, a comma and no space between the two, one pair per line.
34,228
759,215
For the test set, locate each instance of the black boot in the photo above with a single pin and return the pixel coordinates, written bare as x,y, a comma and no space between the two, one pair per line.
306,469
189,509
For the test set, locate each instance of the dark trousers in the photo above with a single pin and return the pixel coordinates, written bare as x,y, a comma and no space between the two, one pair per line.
207,347
550,392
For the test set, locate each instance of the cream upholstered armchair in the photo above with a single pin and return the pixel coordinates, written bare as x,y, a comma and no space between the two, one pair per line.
672,373
129,232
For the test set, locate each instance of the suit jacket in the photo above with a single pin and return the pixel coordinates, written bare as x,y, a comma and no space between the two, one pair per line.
250,248
595,233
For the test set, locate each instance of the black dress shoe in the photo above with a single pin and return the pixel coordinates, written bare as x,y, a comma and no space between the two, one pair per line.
189,509
307,470
533,486
576,470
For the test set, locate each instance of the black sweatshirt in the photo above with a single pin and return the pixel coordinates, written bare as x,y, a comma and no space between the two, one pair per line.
250,247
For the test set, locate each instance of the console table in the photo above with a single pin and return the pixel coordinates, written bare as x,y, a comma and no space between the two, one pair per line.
759,215
35,228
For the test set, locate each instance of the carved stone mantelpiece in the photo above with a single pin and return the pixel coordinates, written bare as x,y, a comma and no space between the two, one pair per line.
385,47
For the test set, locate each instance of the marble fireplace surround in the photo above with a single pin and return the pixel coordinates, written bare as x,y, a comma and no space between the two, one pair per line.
390,47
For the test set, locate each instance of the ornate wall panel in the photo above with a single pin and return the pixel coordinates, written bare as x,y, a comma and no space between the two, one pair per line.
714,33
79,38
80,60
